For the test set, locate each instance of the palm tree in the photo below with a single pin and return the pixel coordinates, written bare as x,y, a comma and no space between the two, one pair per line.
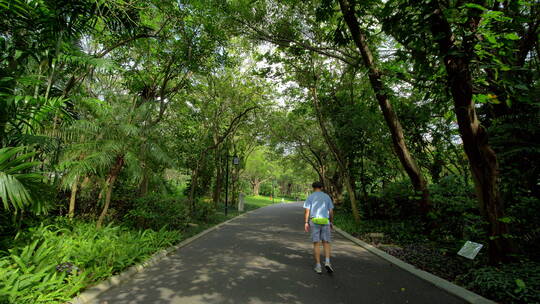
112,137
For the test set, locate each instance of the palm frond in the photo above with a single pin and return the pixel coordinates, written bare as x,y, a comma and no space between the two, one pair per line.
20,187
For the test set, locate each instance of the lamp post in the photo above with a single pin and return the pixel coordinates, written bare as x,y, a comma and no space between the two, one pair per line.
236,162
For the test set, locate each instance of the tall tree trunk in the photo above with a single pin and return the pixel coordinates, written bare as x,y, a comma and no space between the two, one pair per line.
111,179
216,194
482,159
381,92
336,187
256,186
193,186
343,167
194,182
363,176
289,189
72,198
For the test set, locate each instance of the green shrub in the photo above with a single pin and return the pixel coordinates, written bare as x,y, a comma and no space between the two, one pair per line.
395,231
50,264
511,283
524,213
204,211
397,200
155,212
455,210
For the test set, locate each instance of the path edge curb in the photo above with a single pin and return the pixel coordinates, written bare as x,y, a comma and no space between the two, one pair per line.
439,282
91,293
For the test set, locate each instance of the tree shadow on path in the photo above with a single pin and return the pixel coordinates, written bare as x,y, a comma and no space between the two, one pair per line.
265,257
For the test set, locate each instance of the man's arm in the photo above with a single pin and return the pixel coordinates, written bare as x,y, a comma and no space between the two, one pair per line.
331,211
306,219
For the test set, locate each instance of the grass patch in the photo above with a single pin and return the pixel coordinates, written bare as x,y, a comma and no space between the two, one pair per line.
254,202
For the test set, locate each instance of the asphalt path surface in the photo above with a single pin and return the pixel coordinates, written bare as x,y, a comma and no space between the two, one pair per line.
265,257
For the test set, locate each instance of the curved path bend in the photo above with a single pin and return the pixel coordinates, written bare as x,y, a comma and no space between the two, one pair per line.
265,257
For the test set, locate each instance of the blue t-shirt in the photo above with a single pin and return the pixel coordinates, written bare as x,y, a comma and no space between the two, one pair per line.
319,204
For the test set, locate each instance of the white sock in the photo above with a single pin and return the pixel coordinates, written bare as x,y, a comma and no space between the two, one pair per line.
318,264
327,260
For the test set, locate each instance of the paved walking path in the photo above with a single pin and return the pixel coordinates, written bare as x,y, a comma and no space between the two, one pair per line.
265,257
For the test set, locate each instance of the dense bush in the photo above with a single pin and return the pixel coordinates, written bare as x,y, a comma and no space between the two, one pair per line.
397,200
156,212
50,264
395,232
524,216
455,211
511,283
204,210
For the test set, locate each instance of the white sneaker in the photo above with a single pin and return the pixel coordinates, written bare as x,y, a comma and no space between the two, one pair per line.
328,267
318,269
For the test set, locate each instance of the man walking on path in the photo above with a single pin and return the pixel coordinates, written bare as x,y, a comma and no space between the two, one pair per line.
318,217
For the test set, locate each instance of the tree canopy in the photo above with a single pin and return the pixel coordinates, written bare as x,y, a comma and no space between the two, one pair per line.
417,114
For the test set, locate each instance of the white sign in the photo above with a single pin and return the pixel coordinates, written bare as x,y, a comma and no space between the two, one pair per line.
470,250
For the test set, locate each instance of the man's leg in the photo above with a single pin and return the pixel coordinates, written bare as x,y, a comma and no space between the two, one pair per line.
327,250
317,256
317,252
327,237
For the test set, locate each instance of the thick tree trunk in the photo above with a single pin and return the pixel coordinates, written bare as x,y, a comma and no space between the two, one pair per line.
256,184
336,187
113,175
73,198
381,92
482,158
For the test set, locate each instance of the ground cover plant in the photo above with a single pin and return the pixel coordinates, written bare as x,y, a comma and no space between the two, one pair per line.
140,120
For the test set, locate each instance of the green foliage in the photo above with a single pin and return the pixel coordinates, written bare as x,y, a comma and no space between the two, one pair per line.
397,200
112,95
455,211
524,214
20,188
254,202
158,212
395,231
50,264
205,211
511,283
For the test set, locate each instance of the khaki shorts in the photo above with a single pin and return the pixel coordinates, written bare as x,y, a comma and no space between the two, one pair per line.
320,232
